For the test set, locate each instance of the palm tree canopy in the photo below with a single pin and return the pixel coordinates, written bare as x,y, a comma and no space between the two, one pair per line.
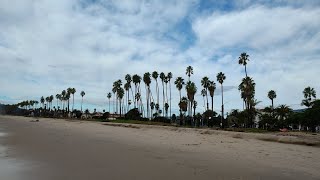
212,88
120,93
203,92
82,93
309,92
109,95
205,82
136,79
243,59
147,78
162,76
155,75
189,71
272,94
169,76
128,78
221,77
191,90
179,82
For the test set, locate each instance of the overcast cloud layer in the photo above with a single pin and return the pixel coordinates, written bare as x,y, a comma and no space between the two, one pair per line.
47,46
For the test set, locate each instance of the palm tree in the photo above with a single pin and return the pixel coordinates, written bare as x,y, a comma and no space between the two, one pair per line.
212,88
179,82
58,96
204,93
82,94
220,78
109,97
69,91
166,108
63,94
169,77
42,101
195,104
191,91
120,94
73,91
127,87
136,79
189,71
283,112
243,60
205,83
147,81
308,93
50,100
155,76
163,78
272,95
247,89
47,100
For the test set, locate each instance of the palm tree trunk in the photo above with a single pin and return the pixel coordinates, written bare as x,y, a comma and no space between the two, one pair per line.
222,108
245,70
207,98
81,103
72,101
212,103
163,109
170,98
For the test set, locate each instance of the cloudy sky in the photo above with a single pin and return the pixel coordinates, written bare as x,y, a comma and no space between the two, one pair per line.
47,46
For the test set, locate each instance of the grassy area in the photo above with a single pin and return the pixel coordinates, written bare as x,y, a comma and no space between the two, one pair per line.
139,122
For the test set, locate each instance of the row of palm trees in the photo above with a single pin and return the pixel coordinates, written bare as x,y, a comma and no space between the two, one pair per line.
153,103
63,100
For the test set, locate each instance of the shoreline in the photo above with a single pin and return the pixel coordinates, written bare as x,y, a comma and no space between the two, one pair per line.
64,149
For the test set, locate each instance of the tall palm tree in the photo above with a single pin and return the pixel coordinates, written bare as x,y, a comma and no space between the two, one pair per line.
69,92
272,95
73,91
309,94
205,83
195,104
179,82
243,60
155,76
163,78
212,88
191,91
109,97
169,77
82,94
247,89
63,94
147,81
203,94
120,94
136,79
50,100
220,78
42,101
58,96
127,87
47,100
189,71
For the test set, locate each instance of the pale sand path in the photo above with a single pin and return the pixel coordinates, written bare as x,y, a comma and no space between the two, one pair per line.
59,149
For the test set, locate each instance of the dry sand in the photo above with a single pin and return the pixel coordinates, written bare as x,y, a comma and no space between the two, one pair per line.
76,150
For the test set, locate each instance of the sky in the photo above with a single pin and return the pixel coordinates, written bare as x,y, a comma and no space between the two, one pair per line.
47,46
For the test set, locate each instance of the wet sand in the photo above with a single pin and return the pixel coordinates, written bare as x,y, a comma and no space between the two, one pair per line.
60,149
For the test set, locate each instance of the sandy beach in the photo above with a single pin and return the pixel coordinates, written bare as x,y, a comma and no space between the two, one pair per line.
71,149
